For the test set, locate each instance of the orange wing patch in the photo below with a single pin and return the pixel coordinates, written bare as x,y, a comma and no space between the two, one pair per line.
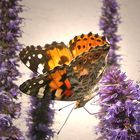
83,43
58,54
60,84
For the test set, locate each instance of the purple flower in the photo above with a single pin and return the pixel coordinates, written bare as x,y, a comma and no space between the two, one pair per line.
12,12
10,31
41,119
118,134
109,24
13,24
7,130
5,121
7,106
121,107
114,85
9,36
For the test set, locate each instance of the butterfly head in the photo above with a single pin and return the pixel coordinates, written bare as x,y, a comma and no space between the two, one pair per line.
80,103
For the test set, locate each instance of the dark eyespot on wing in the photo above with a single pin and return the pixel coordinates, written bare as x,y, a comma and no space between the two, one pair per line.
79,47
63,60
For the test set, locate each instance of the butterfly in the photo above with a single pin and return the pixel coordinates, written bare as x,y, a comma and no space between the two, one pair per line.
66,73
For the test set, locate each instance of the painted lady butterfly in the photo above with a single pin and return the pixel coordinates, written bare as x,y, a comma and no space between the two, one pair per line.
66,73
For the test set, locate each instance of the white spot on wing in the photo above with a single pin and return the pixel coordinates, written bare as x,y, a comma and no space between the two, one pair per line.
29,57
33,55
28,92
58,94
41,82
40,68
41,92
39,56
28,64
34,83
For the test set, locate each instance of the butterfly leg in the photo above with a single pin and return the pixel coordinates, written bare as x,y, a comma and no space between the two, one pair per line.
90,112
65,120
74,107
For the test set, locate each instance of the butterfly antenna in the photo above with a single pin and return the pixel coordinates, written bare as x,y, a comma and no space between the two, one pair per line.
65,106
65,120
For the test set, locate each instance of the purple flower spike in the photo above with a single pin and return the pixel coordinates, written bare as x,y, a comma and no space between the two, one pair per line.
10,29
41,120
109,24
121,107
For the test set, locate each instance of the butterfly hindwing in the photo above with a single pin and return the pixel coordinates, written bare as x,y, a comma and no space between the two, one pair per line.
56,84
35,86
42,59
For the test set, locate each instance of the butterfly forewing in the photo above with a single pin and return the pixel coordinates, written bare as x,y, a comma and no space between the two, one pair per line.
34,58
55,83
42,59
